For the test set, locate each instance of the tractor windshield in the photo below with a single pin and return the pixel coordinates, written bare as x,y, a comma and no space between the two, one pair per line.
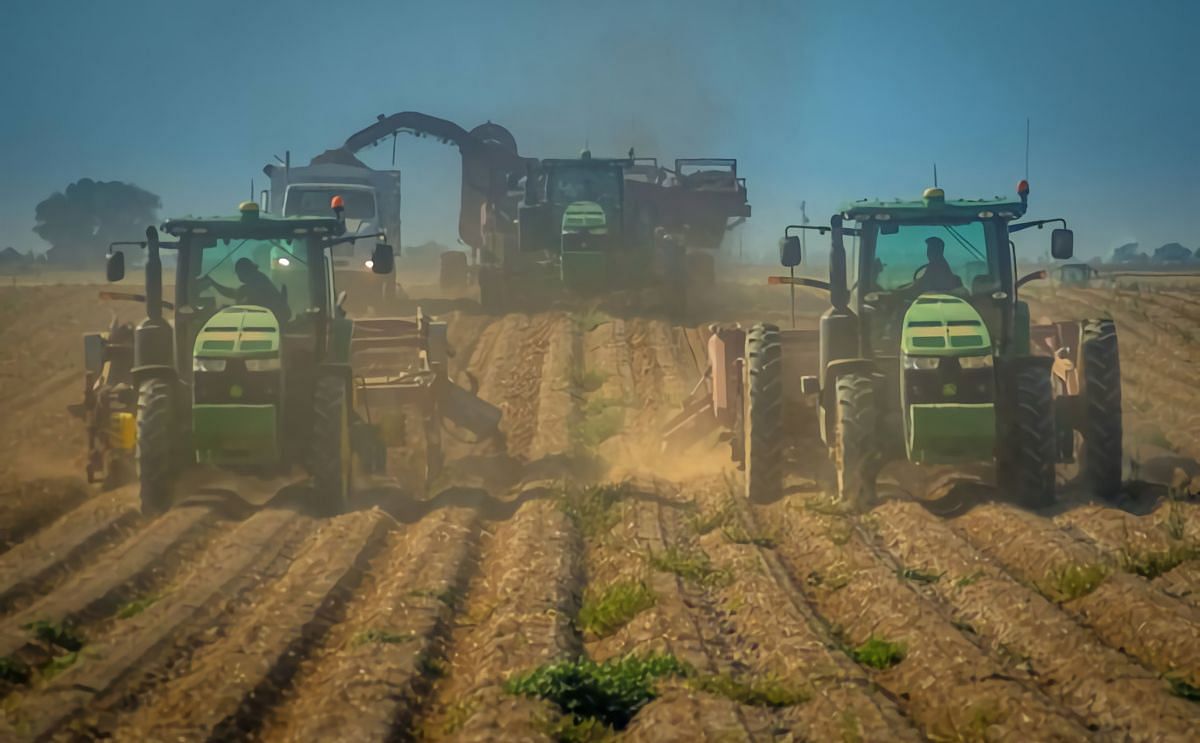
570,184
268,273
936,258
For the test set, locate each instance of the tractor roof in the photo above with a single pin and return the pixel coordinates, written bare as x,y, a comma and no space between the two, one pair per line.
249,224
934,207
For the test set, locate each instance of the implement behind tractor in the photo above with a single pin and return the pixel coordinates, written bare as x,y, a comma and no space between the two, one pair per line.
926,355
261,373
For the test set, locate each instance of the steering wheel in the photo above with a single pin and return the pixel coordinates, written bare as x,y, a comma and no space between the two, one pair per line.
919,273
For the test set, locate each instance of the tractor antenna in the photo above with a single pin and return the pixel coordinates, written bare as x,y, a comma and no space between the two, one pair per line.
935,175
1026,148
394,136
252,189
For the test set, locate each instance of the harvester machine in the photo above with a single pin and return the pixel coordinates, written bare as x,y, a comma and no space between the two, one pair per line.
926,355
109,404
259,372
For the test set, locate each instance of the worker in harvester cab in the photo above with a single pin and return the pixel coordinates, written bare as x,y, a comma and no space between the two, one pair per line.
256,289
938,277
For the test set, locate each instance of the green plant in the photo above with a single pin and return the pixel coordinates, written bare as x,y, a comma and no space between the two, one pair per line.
1181,688
606,611
1154,563
13,671
969,580
602,419
1074,581
762,692
611,692
59,664
380,636
137,606
917,575
691,565
591,319
568,729
879,653
457,715
738,534
703,522
592,508
57,634
588,380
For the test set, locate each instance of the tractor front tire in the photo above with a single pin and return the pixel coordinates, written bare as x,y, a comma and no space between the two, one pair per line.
156,455
454,273
763,416
1030,448
856,449
1102,428
331,452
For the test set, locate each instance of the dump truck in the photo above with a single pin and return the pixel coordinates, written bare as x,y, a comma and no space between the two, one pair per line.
372,206
926,355
592,224
258,371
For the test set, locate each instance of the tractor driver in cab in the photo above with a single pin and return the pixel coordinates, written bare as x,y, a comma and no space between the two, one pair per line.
256,289
937,275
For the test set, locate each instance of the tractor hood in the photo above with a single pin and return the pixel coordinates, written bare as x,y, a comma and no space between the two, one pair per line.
239,331
585,215
942,325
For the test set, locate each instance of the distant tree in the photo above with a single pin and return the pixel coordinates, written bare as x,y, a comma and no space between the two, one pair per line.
1172,253
1128,253
82,220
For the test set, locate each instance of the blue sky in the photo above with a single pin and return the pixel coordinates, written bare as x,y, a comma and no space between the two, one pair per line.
820,101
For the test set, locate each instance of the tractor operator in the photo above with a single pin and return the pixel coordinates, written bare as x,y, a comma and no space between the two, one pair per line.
938,276
256,289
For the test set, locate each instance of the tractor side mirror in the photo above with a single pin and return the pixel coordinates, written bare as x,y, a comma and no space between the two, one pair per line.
1062,244
789,251
114,265
383,260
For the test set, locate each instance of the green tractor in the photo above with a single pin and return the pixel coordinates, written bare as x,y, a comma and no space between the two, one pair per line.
257,379
927,355
578,230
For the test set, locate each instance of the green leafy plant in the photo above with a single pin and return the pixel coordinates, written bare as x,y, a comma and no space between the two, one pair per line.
56,634
593,509
602,419
737,534
611,692
588,380
704,522
13,671
760,692
917,575
380,636
968,580
606,611
137,606
1075,581
59,664
879,653
1181,688
1153,563
691,565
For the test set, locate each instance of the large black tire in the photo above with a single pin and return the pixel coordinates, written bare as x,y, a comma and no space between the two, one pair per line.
856,448
156,455
491,290
1102,428
1029,448
454,273
763,415
330,462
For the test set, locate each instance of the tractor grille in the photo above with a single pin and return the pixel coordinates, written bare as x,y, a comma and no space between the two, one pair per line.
949,383
236,386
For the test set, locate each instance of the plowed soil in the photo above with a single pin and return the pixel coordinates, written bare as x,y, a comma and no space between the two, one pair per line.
944,613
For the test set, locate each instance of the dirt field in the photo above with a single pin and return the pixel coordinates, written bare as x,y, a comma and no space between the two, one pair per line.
947,615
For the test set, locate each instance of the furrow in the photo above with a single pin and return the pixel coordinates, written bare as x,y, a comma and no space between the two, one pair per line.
1123,610
242,674
98,590
26,569
1182,582
1135,544
555,400
28,506
518,616
140,646
368,680
1098,683
950,686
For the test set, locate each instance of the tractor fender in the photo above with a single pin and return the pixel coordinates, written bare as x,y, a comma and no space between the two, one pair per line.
154,371
829,377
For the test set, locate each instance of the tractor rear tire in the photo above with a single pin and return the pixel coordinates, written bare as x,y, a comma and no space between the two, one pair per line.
331,459
156,455
491,290
763,417
856,449
1030,448
1102,428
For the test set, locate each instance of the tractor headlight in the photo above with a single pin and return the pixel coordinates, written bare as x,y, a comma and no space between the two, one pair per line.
208,365
976,362
262,365
922,362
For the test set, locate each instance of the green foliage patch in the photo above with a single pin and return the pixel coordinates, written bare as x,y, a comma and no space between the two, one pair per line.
691,565
56,634
13,671
765,692
1073,581
592,509
606,611
879,653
